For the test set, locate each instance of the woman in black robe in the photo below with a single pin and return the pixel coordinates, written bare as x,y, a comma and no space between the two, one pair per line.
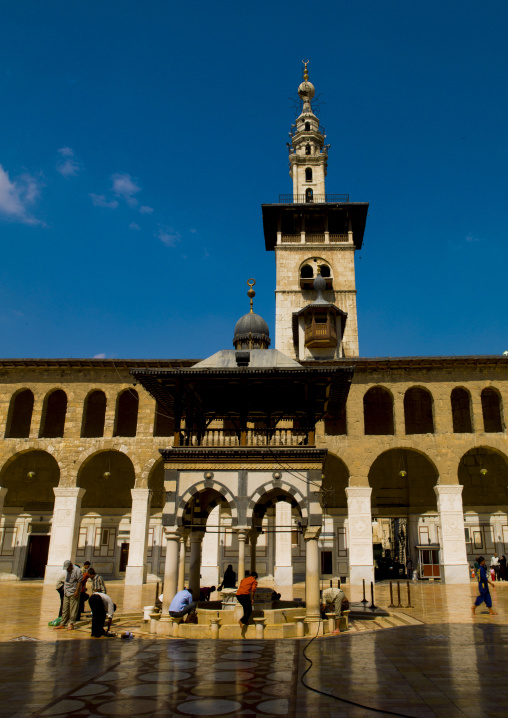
502,569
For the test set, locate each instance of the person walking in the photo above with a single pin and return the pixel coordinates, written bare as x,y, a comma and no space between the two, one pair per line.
245,596
72,587
409,568
182,604
483,587
102,607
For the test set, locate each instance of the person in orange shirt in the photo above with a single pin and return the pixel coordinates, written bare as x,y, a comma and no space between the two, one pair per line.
245,596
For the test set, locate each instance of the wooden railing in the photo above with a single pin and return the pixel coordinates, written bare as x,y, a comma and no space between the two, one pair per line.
249,437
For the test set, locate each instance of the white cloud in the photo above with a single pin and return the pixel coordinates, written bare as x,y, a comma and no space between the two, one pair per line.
124,186
146,210
193,231
133,225
168,236
472,238
99,200
68,166
17,195
99,356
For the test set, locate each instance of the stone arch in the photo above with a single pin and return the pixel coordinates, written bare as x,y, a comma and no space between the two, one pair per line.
54,410
209,494
492,410
402,480
418,411
307,272
103,491
25,490
113,446
335,480
155,482
274,491
460,399
378,411
483,472
126,415
19,416
94,414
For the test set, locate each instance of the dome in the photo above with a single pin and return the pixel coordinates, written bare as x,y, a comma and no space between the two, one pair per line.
306,90
251,332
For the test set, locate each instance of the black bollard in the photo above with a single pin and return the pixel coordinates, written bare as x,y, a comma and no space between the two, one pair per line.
364,600
392,605
331,583
408,596
399,604
157,602
372,606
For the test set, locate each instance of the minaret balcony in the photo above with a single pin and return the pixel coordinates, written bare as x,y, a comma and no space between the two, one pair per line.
248,437
312,198
320,331
308,238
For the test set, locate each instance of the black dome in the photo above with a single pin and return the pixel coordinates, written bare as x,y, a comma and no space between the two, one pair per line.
252,330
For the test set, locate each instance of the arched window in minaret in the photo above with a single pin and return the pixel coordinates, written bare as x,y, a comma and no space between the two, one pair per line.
307,127
308,174
307,149
309,195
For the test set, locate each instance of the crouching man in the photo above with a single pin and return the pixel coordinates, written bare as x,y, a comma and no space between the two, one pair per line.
182,604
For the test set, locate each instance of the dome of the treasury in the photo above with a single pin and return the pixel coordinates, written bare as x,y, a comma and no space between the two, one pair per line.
251,329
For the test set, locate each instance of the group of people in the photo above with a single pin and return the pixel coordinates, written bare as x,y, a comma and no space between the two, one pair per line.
184,604
498,570
72,587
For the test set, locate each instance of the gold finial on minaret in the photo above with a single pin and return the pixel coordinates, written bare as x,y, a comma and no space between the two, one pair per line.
305,72
251,293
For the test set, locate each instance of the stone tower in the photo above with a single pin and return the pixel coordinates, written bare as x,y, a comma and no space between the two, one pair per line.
314,234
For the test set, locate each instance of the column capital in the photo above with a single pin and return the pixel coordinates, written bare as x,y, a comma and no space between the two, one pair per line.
243,532
172,533
312,533
140,494
74,492
197,536
454,489
354,492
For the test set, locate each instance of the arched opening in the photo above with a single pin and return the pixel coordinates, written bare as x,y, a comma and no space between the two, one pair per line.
483,473
163,424
307,149
404,511
461,411
53,415
156,544
335,482
126,420
277,517
378,411
333,501
19,417
94,415
418,411
30,479
306,272
492,412
308,174
325,271
108,478
307,127
156,486
309,195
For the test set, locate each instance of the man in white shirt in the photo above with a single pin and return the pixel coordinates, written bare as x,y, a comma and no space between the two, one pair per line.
102,607
494,563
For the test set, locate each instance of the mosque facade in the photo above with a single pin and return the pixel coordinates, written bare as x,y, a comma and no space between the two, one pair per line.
301,460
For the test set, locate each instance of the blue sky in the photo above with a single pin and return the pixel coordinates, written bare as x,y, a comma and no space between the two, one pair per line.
138,141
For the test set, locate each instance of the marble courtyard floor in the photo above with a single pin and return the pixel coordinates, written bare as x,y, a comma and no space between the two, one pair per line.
450,665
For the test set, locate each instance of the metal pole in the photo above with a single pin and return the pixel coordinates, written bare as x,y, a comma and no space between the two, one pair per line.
372,607
331,583
364,600
408,596
399,604
392,605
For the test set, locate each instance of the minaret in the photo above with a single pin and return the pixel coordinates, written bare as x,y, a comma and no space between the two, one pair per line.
308,157
314,234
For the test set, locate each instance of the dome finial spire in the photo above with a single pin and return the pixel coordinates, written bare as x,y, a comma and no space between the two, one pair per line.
305,71
251,293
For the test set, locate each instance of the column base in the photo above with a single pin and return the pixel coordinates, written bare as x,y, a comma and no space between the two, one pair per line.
53,573
283,576
358,573
314,626
456,574
164,626
135,575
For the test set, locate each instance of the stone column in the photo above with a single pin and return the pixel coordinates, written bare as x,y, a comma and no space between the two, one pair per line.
171,568
283,574
253,543
312,572
361,557
135,573
453,548
196,539
181,560
242,538
64,530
